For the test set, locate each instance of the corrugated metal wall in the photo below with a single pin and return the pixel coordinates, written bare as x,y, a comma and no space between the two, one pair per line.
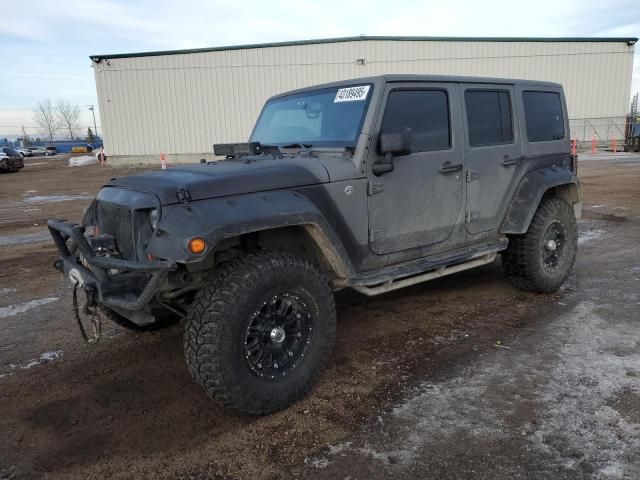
183,103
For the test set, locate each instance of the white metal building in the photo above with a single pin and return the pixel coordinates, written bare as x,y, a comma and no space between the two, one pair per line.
182,102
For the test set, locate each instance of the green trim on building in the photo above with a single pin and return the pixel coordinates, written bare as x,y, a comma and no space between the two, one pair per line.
628,40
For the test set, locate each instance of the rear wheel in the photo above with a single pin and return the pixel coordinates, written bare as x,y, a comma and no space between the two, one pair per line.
258,336
541,259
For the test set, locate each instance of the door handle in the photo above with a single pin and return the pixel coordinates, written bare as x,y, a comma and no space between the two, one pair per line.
508,161
448,167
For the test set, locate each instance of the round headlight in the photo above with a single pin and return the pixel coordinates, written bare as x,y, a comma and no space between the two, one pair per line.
153,218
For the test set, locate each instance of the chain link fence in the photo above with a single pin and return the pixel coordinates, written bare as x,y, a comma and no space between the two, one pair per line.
604,128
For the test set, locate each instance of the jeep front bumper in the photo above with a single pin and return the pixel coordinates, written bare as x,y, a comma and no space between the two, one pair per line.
130,289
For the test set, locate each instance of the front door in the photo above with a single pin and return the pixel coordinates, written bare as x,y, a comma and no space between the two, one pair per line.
492,149
420,201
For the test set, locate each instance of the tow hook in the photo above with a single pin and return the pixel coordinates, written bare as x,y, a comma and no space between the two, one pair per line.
89,310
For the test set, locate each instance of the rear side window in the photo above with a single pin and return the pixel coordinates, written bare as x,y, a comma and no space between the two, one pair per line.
425,113
489,117
543,115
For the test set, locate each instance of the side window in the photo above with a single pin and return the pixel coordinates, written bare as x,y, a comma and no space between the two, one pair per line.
543,116
425,113
489,117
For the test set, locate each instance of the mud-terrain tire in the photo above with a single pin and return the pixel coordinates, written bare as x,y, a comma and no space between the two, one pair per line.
164,321
259,334
541,259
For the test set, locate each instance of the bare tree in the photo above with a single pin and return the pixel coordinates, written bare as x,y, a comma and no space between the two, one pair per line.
26,141
46,117
69,114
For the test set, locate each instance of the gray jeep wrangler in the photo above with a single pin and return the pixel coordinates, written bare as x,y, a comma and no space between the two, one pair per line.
370,184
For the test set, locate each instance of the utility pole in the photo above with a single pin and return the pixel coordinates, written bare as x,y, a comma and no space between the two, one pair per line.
95,127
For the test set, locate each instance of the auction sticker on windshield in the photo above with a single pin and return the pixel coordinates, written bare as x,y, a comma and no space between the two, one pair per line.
352,94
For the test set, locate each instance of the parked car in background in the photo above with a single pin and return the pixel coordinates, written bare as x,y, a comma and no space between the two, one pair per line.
24,152
37,150
49,151
10,160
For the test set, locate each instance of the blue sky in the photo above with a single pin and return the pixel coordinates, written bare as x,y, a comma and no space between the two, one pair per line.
45,45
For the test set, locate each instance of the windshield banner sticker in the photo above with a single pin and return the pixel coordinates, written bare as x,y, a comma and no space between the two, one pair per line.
352,94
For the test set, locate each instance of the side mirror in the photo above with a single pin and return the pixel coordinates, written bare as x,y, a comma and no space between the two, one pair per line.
391,144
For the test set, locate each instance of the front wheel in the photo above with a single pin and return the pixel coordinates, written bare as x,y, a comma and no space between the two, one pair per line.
259,334
541,259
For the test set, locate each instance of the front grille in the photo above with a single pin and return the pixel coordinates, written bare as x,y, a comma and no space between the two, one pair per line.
116,220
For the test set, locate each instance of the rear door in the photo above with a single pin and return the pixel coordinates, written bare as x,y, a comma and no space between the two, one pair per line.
418,203
492,147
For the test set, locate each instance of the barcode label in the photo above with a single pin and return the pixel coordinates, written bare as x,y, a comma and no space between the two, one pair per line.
352,94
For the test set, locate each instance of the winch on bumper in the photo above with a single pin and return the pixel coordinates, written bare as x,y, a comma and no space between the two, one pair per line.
128,292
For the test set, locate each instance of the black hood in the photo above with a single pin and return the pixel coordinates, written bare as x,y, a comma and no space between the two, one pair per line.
228,177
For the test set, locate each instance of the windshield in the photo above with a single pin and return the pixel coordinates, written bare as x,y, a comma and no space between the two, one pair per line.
330,117
11,152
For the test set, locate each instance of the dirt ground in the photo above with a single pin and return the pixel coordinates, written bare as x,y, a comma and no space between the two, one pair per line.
465,377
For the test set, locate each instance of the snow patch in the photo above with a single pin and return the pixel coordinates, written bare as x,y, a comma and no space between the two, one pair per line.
594,357
12,310
6,291
339,448
576,421
321,462
24,239
45,357
56,198
82,161
590,235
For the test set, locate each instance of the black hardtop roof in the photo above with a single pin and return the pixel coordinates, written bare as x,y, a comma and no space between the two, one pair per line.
360,38
408,78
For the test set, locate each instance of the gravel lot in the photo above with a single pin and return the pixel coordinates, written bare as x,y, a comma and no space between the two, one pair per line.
465,377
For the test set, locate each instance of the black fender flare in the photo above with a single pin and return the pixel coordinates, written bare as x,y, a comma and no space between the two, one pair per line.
222,218
529,193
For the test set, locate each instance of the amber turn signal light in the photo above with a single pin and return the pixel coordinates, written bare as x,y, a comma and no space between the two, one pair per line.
197,245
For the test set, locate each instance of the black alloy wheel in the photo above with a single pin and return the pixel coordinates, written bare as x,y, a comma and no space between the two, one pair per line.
278,336
554,245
